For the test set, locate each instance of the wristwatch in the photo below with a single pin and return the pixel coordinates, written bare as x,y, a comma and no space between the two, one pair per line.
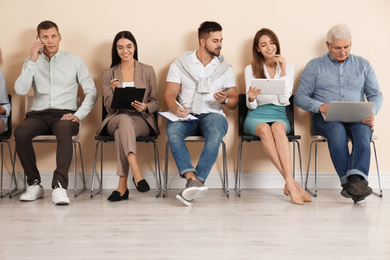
225,102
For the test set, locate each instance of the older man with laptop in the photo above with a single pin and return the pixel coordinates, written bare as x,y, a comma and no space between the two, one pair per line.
341,76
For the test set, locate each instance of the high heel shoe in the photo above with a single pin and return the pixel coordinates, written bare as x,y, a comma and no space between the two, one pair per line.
306,197
116,196
142,185
295,200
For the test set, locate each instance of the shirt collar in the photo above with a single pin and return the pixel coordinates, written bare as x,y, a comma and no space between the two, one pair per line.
215,61
55,56
335,61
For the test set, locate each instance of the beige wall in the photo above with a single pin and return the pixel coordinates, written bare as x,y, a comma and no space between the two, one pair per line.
164,29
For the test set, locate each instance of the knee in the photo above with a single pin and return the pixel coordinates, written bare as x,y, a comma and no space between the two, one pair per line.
263,130
67,130
278,129
21,134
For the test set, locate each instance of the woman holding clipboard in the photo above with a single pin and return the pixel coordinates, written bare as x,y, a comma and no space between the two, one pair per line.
267,117
5,107
126,124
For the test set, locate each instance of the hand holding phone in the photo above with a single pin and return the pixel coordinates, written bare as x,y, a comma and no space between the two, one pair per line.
41,49
225,89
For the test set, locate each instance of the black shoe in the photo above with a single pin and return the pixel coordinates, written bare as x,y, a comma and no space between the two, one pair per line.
142,185
116,196
358,198
354,187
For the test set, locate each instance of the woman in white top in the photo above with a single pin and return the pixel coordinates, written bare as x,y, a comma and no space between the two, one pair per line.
267,117
127,124
5,107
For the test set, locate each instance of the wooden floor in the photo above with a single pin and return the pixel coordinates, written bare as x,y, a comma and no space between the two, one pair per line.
262,224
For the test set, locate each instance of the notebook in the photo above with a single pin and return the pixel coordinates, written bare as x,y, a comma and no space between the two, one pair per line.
270,86
348,112
123,97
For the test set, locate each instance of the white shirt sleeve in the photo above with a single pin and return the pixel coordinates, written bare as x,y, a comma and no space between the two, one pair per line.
174,74
248,77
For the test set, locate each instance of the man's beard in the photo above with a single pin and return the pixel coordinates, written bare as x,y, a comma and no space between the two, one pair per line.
214,53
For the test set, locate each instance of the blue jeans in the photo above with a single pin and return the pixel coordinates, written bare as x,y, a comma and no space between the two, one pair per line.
213,127
346,163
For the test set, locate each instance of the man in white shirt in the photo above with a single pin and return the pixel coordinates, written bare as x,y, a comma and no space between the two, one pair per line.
55,76
201,83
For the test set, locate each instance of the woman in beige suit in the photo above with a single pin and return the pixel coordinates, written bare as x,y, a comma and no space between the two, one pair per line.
126,124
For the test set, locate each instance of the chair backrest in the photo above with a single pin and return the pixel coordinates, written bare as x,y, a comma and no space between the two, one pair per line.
243,111
7,134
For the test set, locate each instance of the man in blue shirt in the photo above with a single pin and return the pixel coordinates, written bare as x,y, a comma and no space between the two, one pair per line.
341,76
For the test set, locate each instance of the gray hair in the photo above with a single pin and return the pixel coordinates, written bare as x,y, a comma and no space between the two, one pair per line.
1,59
339,32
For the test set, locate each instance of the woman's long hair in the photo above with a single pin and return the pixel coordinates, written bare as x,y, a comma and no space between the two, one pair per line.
258,58
114,53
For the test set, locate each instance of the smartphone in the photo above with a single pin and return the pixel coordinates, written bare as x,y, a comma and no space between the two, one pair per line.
225,89
40,50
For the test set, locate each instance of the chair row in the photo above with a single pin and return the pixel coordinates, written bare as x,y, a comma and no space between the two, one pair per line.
162,186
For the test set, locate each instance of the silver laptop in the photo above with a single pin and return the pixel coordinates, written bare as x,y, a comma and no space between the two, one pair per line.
270,86
348,112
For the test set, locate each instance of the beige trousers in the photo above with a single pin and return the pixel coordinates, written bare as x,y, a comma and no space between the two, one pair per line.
125,128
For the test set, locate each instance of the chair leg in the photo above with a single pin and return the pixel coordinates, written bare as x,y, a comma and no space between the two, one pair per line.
225,183
377,169
237,186
14,191
157,172
166,169
12,163
100,188
314,194
75,144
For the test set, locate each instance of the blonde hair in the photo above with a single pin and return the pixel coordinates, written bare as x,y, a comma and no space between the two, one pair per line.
1,59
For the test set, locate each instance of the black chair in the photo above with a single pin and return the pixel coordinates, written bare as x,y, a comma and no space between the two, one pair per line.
4,139
102,139
242,112
316,139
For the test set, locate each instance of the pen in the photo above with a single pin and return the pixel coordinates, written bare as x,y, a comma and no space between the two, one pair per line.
177,103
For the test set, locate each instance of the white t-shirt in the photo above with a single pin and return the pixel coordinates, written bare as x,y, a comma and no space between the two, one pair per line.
279,100
188,86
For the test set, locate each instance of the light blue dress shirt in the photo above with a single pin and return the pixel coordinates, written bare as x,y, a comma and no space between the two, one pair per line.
55,83
325,80
4,99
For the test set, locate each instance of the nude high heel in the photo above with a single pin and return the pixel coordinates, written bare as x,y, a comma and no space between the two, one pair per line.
295,200
306,197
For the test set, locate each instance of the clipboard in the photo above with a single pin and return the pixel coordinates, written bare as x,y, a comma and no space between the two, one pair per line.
123,97
174,118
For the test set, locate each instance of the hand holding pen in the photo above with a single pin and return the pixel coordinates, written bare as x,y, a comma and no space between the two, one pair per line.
180,110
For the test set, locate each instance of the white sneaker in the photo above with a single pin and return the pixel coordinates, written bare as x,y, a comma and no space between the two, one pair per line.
59,196
32,193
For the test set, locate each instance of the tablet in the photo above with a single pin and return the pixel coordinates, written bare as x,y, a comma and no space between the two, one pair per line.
270,86
348,112
123,97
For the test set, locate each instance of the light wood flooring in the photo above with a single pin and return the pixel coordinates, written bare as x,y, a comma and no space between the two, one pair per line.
262,224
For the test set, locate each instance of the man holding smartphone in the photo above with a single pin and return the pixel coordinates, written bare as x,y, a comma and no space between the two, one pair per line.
195,84
55,76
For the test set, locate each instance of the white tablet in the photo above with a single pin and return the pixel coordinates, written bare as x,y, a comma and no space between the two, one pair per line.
270,86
